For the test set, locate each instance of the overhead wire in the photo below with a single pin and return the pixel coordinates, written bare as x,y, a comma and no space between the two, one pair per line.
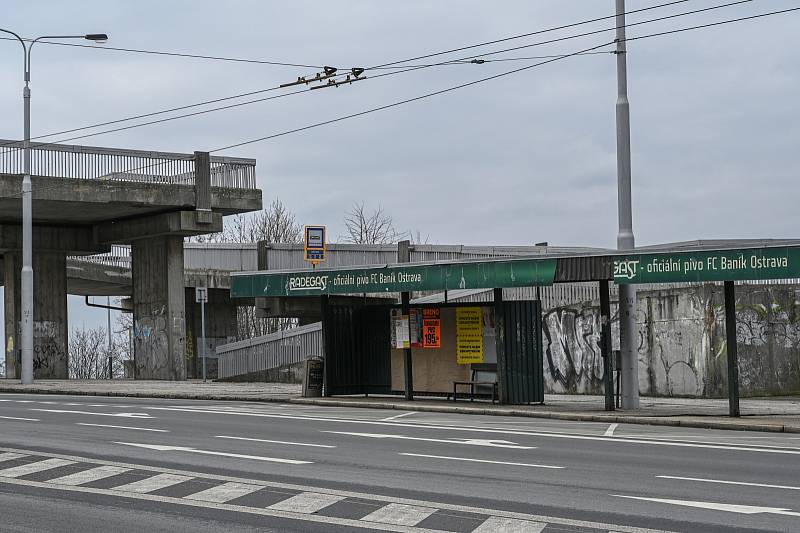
242,95
302,65
496,76
467,59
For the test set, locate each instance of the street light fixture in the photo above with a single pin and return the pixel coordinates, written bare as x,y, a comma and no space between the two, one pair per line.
26,280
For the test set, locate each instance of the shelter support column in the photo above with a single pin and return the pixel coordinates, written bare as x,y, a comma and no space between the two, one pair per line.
605,345
326,345
733,358
500,346
408,363
50,344
404,256
159,308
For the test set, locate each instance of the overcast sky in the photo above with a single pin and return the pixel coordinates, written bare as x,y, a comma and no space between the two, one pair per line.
524,158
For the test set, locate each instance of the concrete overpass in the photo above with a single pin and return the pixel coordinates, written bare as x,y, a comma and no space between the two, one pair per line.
86,199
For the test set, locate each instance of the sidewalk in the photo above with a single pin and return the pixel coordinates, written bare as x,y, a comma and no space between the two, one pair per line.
758,414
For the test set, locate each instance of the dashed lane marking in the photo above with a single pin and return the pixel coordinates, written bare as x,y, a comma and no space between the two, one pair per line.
121,427
470,460
87,476
18,418
307,502
32,468
224,493
154,483
400,515
509,525
252,439
723,482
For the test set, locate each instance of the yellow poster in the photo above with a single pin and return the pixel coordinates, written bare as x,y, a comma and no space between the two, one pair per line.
469,335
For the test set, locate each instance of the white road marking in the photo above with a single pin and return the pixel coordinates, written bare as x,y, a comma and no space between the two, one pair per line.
124,415
18,418
610,431
353,524
163,448
468,442
306,502
9,456
152,483
395,417
727,507
400,515
276,441
479,460
495,524
499,431
723,482
224,493
121,427
87,476
32,468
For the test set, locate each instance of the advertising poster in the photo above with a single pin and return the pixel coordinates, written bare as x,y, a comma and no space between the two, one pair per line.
431,329
469,335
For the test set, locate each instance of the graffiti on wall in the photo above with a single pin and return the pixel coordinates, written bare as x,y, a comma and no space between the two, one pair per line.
151,343
49,349
682,344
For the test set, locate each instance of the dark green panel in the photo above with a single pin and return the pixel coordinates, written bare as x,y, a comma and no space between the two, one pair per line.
520,361
722,265
396,278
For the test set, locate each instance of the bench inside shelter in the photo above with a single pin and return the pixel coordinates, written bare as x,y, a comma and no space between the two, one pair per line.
482,383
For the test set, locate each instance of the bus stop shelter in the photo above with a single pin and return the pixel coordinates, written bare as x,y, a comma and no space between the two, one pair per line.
359,332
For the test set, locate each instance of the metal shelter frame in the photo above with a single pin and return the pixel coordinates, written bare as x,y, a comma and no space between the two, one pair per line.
696,261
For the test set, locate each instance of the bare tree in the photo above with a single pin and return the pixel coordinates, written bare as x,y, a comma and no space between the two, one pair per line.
87,349
364,227
273,224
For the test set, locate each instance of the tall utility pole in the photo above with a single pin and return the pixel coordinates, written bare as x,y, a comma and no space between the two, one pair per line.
26,276
625,240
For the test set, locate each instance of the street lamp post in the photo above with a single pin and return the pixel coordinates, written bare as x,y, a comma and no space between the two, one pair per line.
26,280
625,239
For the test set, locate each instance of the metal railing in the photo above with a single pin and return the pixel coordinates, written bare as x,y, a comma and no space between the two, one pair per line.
117,164
119,256
270,351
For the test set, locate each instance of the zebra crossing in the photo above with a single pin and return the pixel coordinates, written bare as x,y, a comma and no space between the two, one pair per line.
355,510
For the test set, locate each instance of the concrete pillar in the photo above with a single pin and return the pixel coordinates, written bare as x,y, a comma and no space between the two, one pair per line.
50,326
220,329
11,303
159,328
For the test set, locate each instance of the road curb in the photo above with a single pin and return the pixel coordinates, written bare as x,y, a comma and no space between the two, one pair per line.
577,417
157,395
734,425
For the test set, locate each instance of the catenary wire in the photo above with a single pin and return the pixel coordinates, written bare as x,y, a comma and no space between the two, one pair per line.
287,64
467,59
507,73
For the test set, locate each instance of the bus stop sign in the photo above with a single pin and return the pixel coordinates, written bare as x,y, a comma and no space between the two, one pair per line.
314,244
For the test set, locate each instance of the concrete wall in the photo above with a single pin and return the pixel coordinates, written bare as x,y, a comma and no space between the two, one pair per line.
159,331
682,347
220,329
50,345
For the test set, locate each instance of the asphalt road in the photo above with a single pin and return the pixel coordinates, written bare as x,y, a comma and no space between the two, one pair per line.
70,463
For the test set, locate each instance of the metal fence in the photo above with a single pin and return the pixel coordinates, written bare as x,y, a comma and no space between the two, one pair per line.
117,164
270,351
119,256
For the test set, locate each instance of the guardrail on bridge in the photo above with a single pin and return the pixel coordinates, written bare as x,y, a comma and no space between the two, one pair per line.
118,164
